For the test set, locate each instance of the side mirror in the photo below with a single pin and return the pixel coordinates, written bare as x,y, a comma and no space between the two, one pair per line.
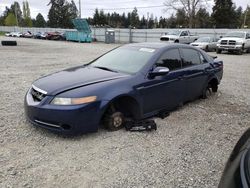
158,71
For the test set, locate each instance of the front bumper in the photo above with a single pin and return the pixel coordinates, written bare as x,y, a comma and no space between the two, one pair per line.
229,47
69,120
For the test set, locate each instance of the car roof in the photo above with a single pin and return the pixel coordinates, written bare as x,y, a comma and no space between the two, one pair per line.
156,45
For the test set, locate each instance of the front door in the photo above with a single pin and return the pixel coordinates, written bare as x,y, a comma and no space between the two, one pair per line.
164,92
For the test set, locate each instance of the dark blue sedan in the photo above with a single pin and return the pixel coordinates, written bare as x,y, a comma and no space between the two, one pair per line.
135,81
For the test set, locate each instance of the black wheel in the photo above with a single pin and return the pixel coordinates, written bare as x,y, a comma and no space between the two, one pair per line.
114,120
176,41
240,51
9,43
207,92
206,49
218,51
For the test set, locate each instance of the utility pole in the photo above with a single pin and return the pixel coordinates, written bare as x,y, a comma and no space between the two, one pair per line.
80,9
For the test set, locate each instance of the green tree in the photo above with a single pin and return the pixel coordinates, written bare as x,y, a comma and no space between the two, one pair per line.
10,20
16,10
1,20
223,14
135,22
61,13
96,17
40,21
26,15
246,17
202,19
102,18
171,22
162,22
181,18
238,17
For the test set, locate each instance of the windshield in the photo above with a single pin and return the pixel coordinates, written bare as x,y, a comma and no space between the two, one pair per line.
124,59
203,39
236,34
174,32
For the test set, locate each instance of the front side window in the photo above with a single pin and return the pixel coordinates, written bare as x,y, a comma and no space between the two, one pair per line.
184,33
191,57
170,59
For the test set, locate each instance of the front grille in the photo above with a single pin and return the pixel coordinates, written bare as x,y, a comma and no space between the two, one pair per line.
228,42
224,42
37,95
232,42
164,39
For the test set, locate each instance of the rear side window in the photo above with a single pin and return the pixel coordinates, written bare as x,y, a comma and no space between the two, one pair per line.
170,59
191,57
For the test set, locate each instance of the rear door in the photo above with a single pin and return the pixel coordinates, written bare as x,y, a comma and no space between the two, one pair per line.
195,69
164,92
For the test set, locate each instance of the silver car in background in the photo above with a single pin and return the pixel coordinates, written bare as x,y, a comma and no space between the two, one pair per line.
206,43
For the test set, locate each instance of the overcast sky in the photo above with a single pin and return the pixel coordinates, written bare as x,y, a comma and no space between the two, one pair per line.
118,6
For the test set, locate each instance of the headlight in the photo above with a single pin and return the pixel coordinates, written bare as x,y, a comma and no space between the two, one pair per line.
239,43
73,101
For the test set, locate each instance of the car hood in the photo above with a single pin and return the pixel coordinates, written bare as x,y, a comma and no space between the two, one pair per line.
75,77
232,38
199,43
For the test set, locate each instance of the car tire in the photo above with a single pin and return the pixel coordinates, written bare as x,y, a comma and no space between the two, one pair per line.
206,49
218,51
114,121
9,43
207,92
240,51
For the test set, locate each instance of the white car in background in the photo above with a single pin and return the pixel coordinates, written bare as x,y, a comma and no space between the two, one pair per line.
235,41
13,34
206,43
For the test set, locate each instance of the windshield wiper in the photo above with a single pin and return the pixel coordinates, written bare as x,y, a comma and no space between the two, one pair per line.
105,68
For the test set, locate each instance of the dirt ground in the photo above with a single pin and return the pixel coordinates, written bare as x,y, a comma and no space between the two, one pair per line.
189,149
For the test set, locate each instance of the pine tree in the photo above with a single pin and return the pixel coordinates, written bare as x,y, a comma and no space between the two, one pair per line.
223,14
203,19
135,22
40,21
96,17
61,13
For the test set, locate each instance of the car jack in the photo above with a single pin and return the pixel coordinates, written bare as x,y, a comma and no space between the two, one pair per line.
142,125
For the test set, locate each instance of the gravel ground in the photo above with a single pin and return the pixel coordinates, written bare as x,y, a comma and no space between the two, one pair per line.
189,149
